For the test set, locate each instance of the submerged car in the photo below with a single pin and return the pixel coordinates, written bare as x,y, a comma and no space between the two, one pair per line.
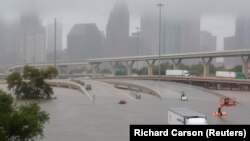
88,87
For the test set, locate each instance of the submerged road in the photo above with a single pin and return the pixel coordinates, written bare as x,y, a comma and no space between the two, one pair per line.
73,116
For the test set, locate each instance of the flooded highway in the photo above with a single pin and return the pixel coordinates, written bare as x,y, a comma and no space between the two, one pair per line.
74,117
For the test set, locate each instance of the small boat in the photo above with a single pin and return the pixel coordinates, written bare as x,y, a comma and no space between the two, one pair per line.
122,102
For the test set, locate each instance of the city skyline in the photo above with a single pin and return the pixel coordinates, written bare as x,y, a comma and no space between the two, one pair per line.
70,13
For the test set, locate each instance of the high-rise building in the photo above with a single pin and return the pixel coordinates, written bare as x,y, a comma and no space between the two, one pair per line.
11,51
207,41
241,40
32,36
1,31
136,42
190,35
2,47
85,41
173,34
117,31
150,32
178,34
242,32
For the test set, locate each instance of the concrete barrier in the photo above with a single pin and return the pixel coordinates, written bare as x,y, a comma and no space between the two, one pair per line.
134,87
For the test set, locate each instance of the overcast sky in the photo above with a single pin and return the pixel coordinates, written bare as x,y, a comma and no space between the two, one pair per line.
218,15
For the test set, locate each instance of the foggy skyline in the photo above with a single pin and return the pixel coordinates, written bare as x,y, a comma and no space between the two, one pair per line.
218,19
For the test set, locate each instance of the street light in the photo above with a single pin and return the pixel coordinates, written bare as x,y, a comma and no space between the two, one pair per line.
160,5
137,43
55,46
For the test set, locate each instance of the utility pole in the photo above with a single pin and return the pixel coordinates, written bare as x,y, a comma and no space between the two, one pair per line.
137,45
160,5
55,46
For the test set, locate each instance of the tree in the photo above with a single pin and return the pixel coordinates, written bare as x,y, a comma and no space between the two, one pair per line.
22,123
50,72
31,85
237,68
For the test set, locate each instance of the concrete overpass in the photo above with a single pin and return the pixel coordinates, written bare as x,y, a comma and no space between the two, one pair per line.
206,82
206,58
14,67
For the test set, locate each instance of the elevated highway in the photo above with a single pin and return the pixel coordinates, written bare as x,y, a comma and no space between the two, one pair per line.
206,82
206,58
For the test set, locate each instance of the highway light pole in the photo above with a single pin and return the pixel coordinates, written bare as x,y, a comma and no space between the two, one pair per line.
137,45
160,5
55,46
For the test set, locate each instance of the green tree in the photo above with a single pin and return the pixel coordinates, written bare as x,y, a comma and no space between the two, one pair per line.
22,123
50,72
31,85
14,80
237,68
30,72
143,71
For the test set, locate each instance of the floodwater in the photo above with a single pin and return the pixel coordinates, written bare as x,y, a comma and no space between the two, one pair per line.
75,117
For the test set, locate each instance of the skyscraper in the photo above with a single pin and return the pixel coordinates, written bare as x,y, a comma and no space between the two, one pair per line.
190,34
241,40
11,51
32,36
117,31
173,34
150,32
242,32
85,41
179,34
207,41
1,31
2,47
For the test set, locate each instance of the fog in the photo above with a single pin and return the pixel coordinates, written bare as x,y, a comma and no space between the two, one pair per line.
97,11
217,16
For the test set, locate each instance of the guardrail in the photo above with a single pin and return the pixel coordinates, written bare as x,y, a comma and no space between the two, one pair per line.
69,84
205,82
174,78
135,87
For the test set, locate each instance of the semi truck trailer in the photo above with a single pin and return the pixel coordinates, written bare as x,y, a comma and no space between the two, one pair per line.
177,73
185,116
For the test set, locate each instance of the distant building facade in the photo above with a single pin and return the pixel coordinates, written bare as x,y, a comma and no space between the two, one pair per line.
12,52
190,34
84,41
117,31
32,37
208,42
178,35
241,40
136,44
150,32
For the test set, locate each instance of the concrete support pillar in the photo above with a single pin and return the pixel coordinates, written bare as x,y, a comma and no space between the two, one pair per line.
245,64
218,86
94,68
206,64
62,69
176,63
151,64
129,66
113,65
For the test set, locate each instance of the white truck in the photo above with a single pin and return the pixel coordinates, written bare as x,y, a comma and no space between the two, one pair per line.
177,73
185,116
225,74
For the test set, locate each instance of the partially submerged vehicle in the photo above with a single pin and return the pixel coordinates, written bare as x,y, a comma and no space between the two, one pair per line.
122,101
